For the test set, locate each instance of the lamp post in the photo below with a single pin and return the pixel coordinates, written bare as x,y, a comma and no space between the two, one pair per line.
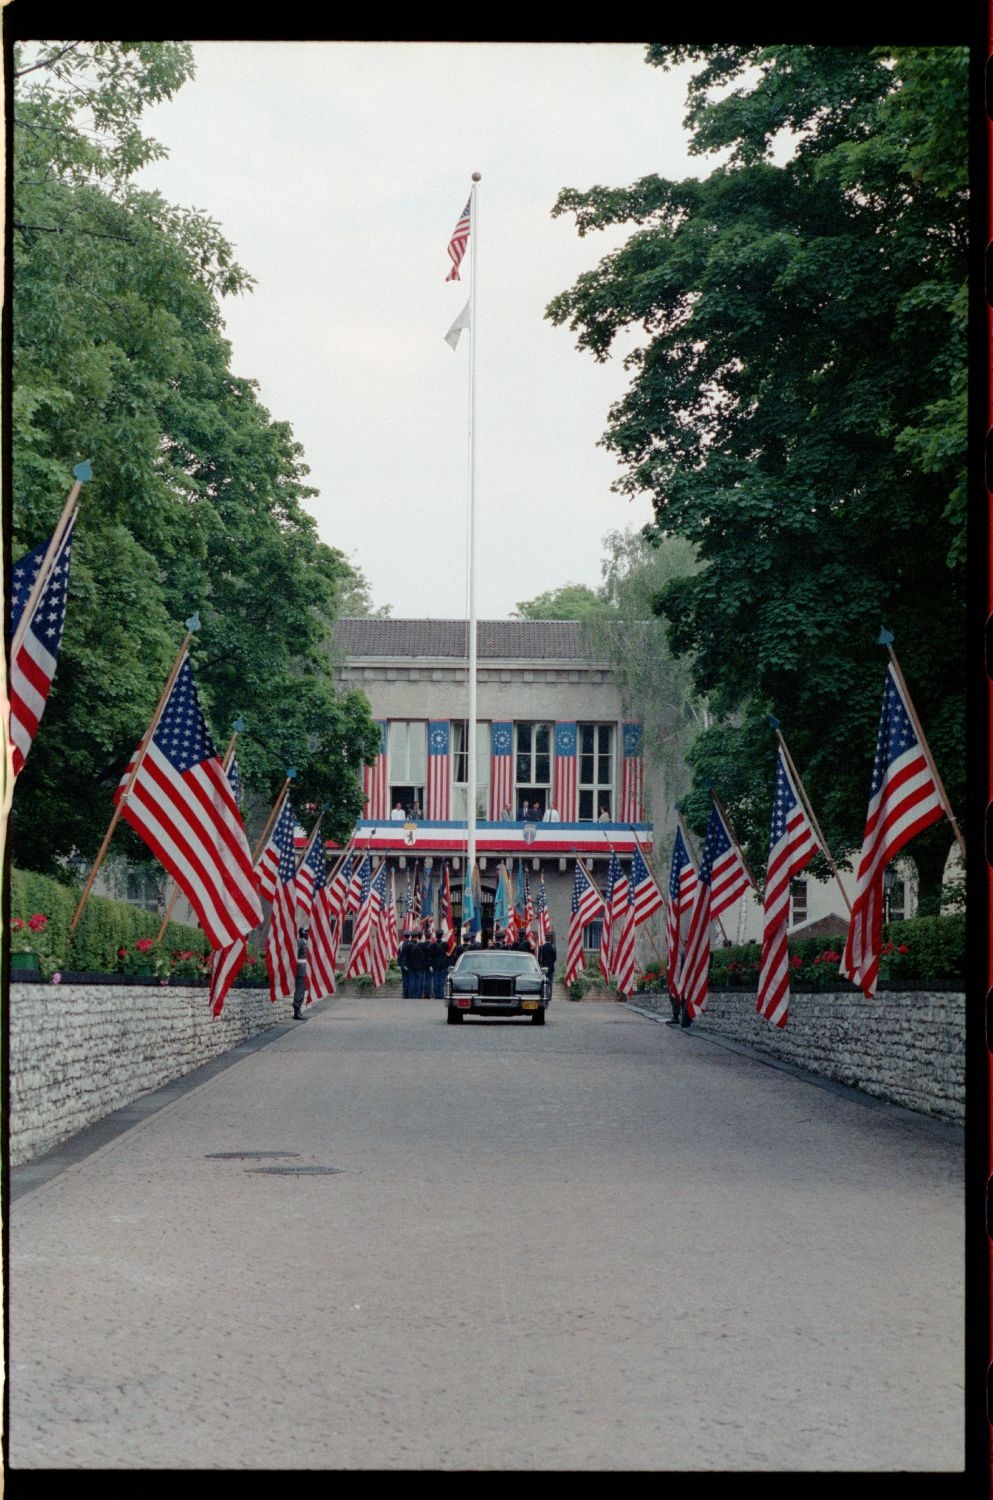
889,875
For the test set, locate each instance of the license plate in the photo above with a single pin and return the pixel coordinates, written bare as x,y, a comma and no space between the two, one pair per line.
529,1005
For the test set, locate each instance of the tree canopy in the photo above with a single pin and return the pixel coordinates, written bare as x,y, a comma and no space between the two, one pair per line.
197,500
796,408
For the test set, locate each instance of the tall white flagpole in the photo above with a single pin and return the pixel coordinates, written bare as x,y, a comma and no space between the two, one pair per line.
471,725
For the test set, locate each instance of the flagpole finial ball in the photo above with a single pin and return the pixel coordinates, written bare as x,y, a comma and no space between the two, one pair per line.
476,176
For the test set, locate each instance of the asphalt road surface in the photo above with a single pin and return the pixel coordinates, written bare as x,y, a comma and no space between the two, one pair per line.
604,1244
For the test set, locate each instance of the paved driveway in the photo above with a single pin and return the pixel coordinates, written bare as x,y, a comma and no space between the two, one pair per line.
604,1244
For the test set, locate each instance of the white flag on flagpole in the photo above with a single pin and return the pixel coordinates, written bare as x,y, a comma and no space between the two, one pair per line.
462,321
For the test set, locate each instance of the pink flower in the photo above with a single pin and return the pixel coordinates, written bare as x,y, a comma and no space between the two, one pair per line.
56,978
122,953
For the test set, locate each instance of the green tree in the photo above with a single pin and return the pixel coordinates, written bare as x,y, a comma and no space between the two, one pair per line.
572,601
197,497
797,408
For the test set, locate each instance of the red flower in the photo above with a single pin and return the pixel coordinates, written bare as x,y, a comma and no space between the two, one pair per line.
903,948
122,953
17,923
143,944
37,922
796,961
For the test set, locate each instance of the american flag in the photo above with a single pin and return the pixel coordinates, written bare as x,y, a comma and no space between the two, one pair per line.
408,907
36,658
311,867
415,908
439,769
393,931
338,889
360,957
645,889
448,918
509,917
903,799
267,863
227,963
322,938
565,771
357,885
631,775
623,926
180,802
682,884
722,879
458,241
234,776
792,846
585,907
501,769
544,920
281,942
607,939
377,801
379,942
523,909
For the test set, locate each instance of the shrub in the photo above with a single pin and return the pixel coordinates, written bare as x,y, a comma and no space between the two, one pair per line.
920,950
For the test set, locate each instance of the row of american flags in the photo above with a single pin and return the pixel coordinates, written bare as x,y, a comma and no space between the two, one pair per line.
181,797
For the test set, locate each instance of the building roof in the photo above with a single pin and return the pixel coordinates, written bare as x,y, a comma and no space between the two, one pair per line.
502,640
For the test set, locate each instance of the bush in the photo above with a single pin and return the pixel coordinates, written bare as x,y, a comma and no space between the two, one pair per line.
920,950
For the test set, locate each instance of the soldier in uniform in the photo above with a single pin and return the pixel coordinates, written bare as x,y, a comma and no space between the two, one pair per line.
300,987
417,962
547,954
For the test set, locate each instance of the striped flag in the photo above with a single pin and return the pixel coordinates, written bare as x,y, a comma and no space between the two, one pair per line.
792,846
624,926
360,957
613,877
281,942
311,867
356,885
585,907
181,804
377,800
903,800
565,771
544,920
501,769
227,963
645,888
415,909
34,663
439,769
722,879
682,885
393,932
458,241
322,936
632,775
448,916
268,861
379,956
427,897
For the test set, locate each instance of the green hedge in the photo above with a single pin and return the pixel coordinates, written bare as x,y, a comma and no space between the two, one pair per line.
934,952
105,927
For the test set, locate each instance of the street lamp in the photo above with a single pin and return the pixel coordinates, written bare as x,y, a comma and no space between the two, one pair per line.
889,875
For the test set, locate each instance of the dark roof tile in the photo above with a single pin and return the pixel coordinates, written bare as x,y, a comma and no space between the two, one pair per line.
535,640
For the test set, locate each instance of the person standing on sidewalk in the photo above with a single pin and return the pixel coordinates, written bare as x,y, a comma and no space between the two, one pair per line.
300,988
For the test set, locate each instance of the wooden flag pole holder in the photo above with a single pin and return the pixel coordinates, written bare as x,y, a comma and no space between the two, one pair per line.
927,751
695,856
142,752
810,814
228,756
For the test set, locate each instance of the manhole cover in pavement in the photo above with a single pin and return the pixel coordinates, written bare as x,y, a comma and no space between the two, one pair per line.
246,1155
295,1171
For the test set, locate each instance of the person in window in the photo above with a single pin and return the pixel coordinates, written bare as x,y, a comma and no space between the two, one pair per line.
415,811
525,812
506,816
603,816
551,814
397,813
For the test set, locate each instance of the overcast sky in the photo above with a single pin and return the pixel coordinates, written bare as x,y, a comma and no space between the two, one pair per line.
338,170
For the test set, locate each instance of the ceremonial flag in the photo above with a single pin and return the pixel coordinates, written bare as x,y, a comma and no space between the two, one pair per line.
644,888
311,866
501,905
361,874
180,802
338,889
585,908
614,878
471,913
458,242
234,776
408,908
903,800
323,933
439,769
632,775
415,911
427,897
360,957
227,963
281,942
380,940
722,879
544,920
268,861
624,926
792,845
682,884
462,321
36,656
501,769
449,917
392,930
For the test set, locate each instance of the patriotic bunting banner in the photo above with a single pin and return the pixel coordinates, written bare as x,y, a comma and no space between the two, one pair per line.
632,775
792,846
903,800
501,770
34,664
439,769
181,804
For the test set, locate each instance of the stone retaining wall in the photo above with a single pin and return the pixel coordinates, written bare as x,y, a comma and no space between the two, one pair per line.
908,1048
78,1052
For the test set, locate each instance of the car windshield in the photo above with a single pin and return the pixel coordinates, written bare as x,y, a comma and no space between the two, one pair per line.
496,963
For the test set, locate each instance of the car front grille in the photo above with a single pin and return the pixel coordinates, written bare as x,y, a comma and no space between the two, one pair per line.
496,984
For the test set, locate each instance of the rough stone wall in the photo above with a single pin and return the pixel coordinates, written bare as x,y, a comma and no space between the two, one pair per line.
907,1048
78,1052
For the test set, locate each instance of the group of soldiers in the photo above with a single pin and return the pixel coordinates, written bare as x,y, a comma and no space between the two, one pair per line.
424,959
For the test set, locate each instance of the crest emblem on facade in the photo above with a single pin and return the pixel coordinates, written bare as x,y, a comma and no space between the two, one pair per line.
529,832
409,834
